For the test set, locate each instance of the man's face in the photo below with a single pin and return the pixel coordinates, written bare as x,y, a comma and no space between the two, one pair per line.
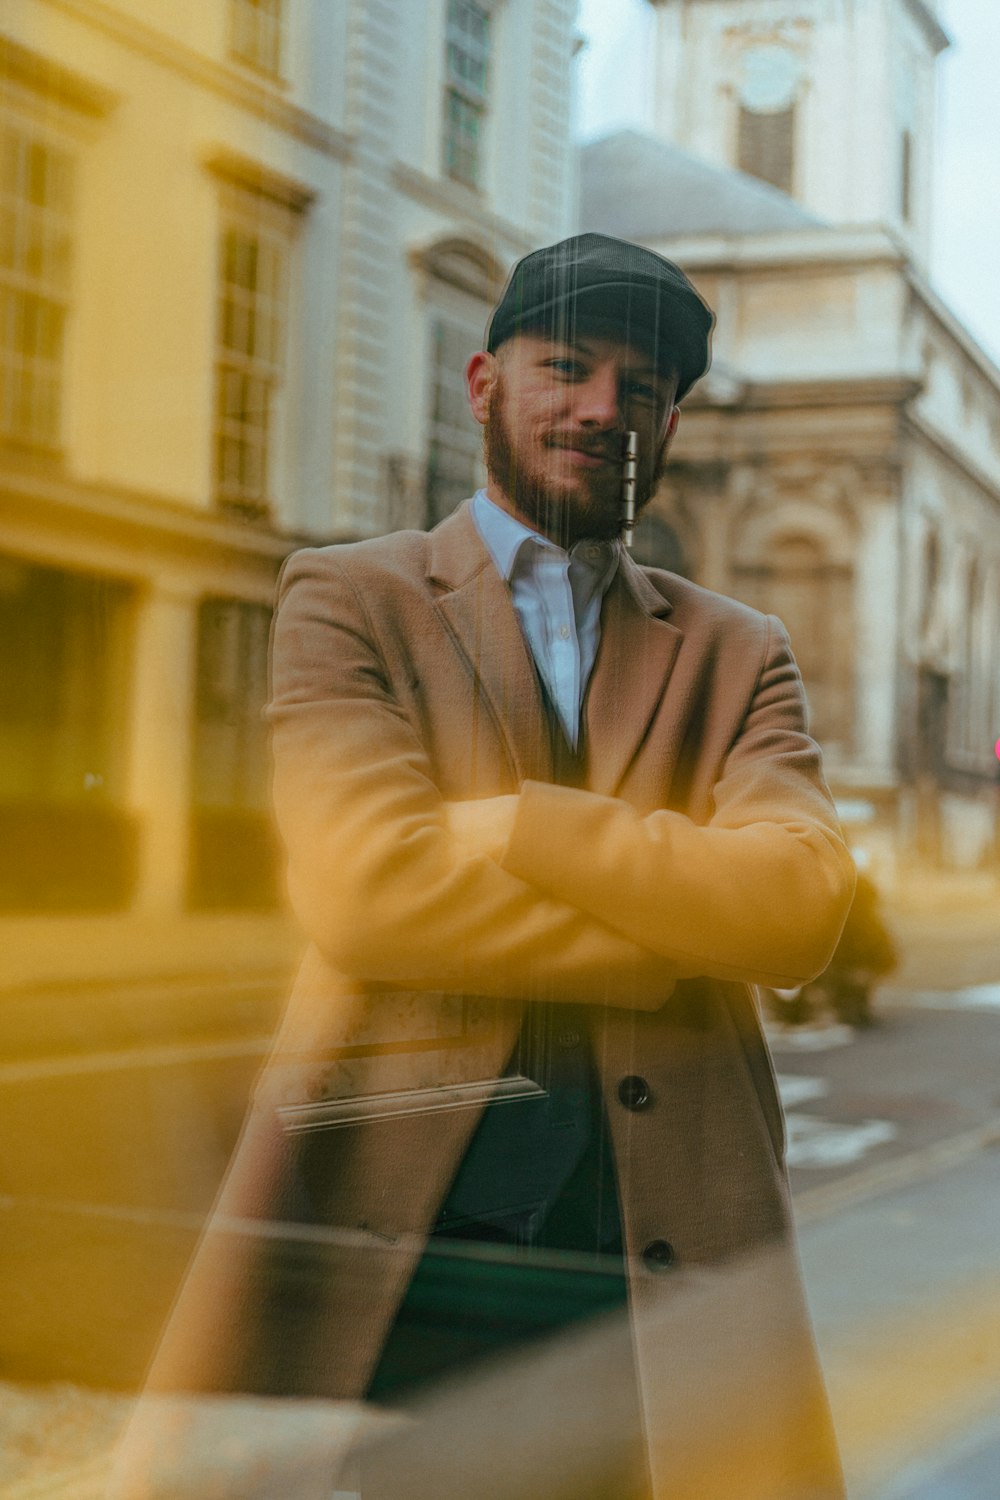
554,415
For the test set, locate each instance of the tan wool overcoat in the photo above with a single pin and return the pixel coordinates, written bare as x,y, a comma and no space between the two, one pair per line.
701,857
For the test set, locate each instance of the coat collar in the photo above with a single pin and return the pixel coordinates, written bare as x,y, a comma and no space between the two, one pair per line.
634,660
635,657
476,608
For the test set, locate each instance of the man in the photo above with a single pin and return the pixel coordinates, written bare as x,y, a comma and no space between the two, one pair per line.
549,816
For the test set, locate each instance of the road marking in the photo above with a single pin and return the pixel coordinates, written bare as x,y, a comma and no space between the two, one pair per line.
827,1143
795,1090
808,1038
976,997
815,1142
981,996
889,1176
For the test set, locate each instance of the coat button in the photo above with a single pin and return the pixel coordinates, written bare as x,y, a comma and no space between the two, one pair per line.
633,1092
658,1255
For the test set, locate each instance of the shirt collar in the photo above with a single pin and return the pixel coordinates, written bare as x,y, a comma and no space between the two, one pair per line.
504,536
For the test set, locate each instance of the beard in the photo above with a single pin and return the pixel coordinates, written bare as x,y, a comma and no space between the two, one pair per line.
565,505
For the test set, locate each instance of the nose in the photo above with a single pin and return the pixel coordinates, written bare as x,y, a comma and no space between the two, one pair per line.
599,399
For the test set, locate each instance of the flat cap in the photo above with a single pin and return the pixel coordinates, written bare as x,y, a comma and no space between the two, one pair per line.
594,277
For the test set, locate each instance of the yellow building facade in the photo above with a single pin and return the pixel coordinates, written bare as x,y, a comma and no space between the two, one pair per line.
244,247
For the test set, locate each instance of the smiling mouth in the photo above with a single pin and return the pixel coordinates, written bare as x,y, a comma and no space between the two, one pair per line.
587,458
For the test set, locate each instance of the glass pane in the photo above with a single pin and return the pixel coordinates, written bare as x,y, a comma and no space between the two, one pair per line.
37,173
8,236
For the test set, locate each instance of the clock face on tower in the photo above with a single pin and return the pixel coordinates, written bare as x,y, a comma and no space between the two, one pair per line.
769,78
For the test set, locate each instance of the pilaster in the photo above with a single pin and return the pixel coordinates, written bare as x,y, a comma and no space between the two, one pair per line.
367,269
160,736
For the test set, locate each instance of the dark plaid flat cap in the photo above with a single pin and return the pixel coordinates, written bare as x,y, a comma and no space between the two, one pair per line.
593,278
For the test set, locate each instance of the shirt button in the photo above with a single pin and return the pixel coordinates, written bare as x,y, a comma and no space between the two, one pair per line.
564,632
593,553
633,1092
658,1255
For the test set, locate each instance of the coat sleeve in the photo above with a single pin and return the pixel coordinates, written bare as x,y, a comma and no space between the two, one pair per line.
375,878
759,893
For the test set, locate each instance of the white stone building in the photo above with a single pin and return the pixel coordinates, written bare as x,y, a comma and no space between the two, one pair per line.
841,464
245,246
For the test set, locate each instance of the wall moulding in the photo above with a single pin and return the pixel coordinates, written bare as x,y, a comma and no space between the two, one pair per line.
259,99
53,82
245,172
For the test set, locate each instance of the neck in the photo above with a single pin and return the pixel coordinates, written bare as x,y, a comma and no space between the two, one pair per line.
555,520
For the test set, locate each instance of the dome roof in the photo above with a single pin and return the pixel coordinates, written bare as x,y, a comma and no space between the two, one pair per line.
639,188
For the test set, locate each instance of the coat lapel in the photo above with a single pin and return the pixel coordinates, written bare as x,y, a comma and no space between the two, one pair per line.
475,606
634,660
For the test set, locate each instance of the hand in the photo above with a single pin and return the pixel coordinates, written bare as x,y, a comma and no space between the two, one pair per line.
481,827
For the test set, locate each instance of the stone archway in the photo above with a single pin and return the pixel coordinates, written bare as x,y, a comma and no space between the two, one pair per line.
796,561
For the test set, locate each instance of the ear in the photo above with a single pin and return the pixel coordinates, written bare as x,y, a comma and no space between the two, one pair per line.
669,428
480,378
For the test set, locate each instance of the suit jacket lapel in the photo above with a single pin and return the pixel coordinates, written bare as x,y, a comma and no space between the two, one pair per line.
476,608
634,660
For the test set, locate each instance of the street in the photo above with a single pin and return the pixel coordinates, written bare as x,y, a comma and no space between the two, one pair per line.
893,1131
896,1176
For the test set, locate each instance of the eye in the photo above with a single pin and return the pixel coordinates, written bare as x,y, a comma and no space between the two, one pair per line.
641,390
571,369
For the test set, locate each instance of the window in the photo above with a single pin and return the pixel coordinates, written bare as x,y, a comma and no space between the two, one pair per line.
970,728
766,145
906,176
66,842
233,856
255,33
454,467
36,189
253,257
467,49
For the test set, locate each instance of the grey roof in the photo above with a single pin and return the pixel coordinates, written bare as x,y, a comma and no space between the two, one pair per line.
640,188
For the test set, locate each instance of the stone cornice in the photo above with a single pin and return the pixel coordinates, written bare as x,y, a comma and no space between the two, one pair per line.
919,427
53,82
245,172
459,203
228,83
832,247
757,395
953,327
928,21
36,491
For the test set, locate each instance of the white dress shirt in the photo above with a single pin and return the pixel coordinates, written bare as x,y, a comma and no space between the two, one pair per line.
557,596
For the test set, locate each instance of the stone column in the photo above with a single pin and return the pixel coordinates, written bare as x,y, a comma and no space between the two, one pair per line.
877,627
160,731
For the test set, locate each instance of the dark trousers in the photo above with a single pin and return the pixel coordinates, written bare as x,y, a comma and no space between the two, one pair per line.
528,1243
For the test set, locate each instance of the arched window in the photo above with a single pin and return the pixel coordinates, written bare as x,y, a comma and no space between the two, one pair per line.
766,145
766,122
970,730
460,282
798,577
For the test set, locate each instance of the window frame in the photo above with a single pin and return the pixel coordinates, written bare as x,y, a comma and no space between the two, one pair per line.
243,370
258,17
786,146
464,103
39,229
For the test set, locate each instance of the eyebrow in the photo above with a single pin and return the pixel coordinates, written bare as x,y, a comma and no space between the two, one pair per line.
585,346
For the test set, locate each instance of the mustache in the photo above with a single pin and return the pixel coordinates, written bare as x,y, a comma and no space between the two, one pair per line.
609,447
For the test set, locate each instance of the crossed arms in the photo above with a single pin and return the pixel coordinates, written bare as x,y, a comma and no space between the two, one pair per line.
552,893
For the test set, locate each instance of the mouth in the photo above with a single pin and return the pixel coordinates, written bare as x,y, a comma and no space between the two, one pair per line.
583,455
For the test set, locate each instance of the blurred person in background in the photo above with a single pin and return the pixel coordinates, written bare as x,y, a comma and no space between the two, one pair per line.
549,816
